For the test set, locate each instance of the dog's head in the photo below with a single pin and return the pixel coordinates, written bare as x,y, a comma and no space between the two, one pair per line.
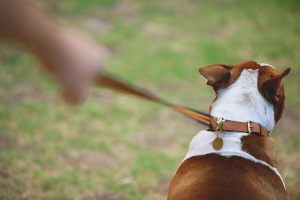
269,81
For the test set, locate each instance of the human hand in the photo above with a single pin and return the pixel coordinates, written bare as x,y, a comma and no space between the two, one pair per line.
74,61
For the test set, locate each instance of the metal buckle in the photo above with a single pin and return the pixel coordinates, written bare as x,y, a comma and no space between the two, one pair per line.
220,122
249,126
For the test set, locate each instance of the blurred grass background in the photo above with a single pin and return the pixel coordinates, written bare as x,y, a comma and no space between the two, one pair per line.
118,147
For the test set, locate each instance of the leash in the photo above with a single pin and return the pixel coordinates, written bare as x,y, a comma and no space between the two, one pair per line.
215,124
111,81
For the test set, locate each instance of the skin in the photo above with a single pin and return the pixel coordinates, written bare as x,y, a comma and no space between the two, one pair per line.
72,60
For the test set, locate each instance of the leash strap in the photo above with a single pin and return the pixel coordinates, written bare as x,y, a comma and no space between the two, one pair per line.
110,81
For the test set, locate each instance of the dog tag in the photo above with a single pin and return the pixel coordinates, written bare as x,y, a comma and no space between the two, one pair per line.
218,143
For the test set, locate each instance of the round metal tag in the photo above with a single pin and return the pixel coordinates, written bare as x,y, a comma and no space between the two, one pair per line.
218,143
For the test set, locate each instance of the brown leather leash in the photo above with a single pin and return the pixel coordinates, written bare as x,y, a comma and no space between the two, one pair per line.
108,80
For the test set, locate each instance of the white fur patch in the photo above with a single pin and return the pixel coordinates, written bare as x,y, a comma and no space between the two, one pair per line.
201,144
266,64
241,101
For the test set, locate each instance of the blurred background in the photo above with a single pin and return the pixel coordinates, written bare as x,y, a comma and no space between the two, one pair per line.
114,146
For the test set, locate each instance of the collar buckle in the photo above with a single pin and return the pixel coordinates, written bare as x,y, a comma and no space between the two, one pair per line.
249,126
220,122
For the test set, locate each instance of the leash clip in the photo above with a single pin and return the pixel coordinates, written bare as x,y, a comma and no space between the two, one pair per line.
220,122
249,126
218,142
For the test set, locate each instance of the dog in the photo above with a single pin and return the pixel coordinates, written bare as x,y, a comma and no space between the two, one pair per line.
250,98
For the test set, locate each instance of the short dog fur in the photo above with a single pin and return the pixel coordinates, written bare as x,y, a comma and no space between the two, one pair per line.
245,167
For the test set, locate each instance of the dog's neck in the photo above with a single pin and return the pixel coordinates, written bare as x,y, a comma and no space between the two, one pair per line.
242,101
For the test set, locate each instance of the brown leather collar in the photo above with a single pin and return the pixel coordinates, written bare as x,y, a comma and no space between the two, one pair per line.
248,127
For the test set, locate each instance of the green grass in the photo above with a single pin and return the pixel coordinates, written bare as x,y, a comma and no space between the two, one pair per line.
118,147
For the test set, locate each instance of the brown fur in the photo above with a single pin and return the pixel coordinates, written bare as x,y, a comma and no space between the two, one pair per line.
215,177
262,148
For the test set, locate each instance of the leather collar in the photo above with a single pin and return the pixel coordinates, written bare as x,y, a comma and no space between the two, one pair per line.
248,127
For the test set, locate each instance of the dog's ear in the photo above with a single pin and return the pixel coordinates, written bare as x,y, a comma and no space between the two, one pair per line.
271,88
216,74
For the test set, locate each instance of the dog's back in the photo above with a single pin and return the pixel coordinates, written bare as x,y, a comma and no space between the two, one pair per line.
214,177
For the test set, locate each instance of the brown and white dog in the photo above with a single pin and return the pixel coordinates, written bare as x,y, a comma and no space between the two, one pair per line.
245,167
